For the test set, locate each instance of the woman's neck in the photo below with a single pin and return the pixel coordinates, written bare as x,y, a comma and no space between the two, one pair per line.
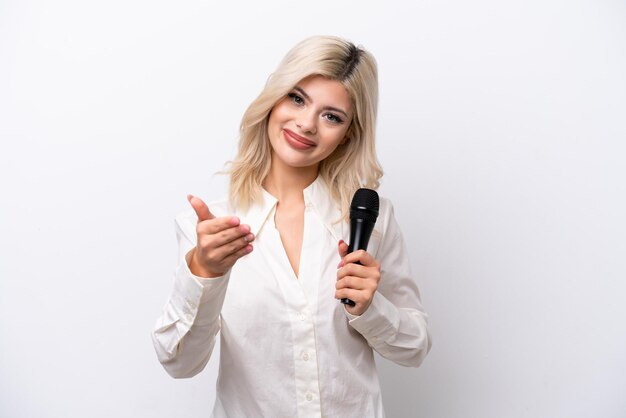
287,183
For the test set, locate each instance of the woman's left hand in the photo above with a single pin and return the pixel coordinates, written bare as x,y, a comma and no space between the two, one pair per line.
357,282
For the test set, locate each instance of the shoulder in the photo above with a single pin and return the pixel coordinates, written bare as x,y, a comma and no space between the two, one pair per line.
385,226
385,208
385,215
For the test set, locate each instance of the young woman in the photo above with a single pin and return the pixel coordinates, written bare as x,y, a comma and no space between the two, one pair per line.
266,267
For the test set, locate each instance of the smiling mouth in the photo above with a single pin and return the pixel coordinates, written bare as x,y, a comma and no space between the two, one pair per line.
297,140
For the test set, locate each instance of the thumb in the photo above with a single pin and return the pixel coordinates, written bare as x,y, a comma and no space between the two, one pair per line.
201,209
342,248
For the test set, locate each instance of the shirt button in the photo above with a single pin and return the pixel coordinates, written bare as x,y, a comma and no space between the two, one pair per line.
305,356
309,396
374,339
301,316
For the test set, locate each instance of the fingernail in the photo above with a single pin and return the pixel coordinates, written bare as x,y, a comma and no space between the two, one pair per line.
189,197
234,221
340,265
249,237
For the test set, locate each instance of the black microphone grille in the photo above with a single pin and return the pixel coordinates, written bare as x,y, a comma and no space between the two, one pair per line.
365,204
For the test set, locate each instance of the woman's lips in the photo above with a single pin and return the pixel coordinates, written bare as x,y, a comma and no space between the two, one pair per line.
298,141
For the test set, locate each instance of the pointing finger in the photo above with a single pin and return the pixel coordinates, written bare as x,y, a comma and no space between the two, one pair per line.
201,209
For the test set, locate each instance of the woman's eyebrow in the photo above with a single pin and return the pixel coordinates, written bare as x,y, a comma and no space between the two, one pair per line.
307,97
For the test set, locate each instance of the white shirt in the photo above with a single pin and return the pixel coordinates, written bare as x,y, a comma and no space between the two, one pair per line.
288,347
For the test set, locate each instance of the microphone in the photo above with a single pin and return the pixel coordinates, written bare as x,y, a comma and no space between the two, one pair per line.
363,214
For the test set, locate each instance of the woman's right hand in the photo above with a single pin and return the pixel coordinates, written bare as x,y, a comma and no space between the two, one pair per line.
221,242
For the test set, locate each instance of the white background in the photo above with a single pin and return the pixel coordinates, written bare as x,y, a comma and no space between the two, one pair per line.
501,130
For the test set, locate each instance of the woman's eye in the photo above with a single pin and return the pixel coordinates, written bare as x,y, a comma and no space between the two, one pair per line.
296,99
333,118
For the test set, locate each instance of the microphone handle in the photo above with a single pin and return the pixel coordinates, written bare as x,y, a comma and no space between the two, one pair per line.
360,232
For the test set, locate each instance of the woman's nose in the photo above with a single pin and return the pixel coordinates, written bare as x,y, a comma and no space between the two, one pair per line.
307,121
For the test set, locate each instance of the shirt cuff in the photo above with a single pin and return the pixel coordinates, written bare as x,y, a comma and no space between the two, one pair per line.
198,300
378,323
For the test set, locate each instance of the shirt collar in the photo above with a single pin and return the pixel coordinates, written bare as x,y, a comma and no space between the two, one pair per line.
316,198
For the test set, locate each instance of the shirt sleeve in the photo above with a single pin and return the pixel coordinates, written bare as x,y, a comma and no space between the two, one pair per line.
184,335
395,324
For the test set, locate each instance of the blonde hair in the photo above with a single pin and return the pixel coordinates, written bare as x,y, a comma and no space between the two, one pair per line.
354,163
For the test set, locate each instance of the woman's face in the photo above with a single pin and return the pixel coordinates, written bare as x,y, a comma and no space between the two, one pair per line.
310,122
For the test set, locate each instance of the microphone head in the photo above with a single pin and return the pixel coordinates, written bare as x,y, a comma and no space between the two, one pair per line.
364,205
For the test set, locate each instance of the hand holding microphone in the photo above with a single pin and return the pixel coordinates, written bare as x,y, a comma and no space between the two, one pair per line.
359,272
221,242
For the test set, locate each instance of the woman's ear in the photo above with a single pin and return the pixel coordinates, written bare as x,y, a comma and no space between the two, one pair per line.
346,137
349,133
